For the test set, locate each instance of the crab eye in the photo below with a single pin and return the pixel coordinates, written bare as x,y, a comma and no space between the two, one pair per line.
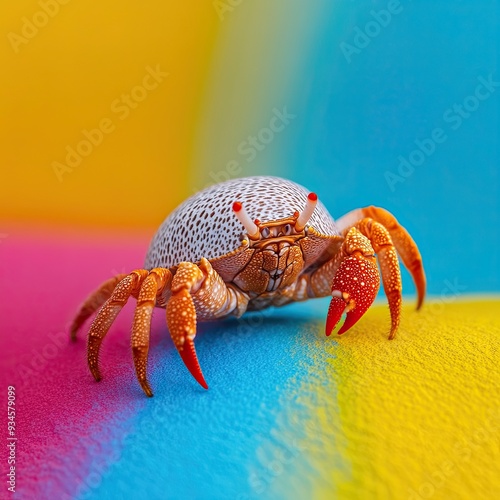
265,232
287,229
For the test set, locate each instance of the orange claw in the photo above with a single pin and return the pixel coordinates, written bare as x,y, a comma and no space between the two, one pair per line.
354,288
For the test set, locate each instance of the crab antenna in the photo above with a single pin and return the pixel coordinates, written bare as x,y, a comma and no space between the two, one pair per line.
305,215
244,218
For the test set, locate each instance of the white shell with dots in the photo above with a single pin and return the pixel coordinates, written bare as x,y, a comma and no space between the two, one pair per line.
206,226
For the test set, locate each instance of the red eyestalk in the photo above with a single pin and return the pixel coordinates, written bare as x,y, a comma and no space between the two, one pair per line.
250,226
354,288
305,215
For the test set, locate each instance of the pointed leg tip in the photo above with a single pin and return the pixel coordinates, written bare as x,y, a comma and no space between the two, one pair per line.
394,330
96,374
420,296
201,381
190,359
146,388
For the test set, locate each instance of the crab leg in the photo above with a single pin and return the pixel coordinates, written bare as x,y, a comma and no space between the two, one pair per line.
389,266
198,290
104,319
405,246
181,316
155,283
93,302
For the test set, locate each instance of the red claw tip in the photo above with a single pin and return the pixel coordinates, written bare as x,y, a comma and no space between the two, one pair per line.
335,311
312,196
355,286
237,206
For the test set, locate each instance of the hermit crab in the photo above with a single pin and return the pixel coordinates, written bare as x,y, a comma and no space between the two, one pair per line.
247,244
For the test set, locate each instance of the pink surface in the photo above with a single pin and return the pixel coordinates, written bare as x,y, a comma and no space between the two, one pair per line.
43,280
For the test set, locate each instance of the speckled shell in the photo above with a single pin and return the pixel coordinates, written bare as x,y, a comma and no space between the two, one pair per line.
206,226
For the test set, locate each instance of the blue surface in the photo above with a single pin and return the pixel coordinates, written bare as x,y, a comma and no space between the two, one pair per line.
232,428
355,119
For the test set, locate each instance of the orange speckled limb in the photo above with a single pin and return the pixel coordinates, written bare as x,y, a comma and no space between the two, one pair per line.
181,316
93,302
389,266
198,290
193,290
108,313
405,246
157,280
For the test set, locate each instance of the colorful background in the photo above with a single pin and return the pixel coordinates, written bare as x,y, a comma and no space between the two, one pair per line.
114,113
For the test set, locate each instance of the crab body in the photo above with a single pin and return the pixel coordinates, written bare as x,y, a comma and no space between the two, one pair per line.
248,244
204,227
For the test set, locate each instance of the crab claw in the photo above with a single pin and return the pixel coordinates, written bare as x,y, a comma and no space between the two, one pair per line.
354,288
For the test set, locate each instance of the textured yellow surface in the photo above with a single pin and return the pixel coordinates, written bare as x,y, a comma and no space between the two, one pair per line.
417,417
89,62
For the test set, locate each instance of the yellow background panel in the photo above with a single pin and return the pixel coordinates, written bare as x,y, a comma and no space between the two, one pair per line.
65,79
